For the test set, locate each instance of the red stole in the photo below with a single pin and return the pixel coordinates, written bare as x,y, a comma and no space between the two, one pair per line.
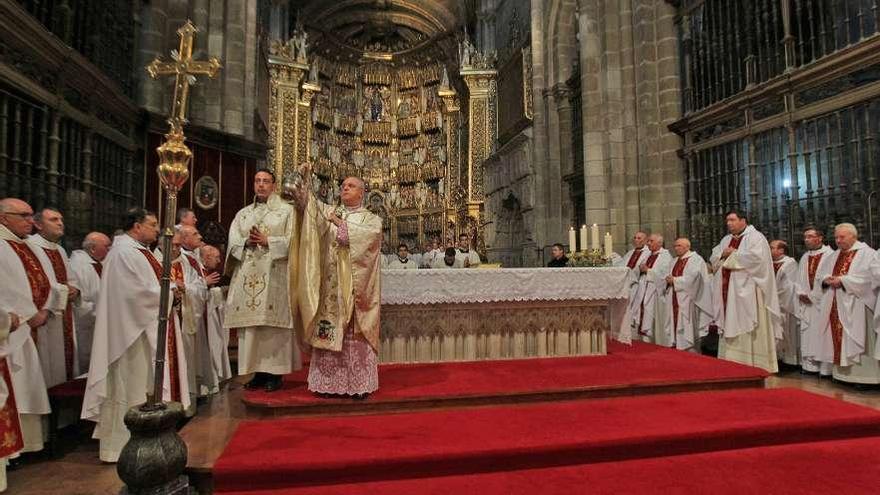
677,271
171,331
725,273
813,265
634,258
650,264
61,276
98,267
37,278
776,267
841,268
11,440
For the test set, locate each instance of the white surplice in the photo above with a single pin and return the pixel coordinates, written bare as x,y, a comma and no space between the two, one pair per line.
647,310
258,302
430,257
218,336
809,314
83,267
788,349
633,258
750,321
124,348
692,290
471,257
50,337
396,264
202,378
855,306
28,383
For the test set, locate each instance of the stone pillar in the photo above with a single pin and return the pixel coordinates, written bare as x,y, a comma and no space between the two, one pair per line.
234,68
152,45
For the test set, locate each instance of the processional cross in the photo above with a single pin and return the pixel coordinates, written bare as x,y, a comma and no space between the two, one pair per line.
185,70
174,160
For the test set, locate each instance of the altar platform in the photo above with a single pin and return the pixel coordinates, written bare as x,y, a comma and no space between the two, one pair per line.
510,313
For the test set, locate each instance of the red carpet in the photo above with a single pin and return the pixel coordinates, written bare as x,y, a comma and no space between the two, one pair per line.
842,466
626,370
348,449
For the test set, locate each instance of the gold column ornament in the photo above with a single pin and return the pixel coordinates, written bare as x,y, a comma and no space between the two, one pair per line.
174,161
482,131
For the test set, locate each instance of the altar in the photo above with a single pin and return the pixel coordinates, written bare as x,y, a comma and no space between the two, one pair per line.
508,313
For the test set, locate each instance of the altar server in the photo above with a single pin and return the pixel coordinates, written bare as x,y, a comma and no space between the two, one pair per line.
124,349
809,301
688,300
746,301
785,269
87,265
402,261
468,258
647,308
849,295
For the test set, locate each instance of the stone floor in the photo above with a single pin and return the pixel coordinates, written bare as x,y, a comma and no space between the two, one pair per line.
79,472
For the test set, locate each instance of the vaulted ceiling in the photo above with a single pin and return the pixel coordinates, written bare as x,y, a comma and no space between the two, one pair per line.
393,26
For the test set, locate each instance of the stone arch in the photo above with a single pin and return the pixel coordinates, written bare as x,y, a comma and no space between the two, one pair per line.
562,43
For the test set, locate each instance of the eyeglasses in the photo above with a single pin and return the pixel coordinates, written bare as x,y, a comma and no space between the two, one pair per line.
24,216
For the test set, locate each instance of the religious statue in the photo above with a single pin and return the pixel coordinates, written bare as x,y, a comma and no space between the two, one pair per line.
376,105
299,44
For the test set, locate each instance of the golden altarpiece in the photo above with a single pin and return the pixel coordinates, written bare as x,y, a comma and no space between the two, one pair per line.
393,118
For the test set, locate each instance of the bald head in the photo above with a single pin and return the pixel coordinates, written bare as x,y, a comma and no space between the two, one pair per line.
352,193
96,245
681,246
210,257
639,239
655,242
17,216
190,238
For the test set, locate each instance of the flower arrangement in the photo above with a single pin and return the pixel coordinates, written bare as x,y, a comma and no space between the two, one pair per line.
588,258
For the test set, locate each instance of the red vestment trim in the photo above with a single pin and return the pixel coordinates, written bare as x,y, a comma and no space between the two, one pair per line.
98,268
677,271
634,258
61,276
776,266
650,264
37,278
725,273
812,266
11,440
170,333
841,268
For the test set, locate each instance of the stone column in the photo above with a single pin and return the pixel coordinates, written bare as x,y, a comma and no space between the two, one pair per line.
152,45
234,69
451,119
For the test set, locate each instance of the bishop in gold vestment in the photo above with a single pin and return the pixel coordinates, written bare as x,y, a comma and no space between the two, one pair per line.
338,291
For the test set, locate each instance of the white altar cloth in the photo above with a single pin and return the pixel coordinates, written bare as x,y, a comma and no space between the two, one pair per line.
474,314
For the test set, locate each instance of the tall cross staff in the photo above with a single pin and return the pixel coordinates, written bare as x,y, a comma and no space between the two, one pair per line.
174,159
185,70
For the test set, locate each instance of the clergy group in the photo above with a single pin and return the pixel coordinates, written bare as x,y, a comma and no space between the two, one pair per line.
767,309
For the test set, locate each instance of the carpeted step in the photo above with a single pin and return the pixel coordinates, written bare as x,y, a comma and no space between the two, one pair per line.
626,370
837,466
311,451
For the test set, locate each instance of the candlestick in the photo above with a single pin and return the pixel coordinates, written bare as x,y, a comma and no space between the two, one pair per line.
609,245
595,235
583,238
572,240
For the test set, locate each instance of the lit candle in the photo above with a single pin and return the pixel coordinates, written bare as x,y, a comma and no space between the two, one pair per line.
583,238
572,240
595,234
609,245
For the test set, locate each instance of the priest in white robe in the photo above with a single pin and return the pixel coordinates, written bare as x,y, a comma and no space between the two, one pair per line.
688,299
467,256
258,303
56,340
747,304
218,336
785,268
124,350
203,379
10,429
402,261
647,308
338,288
86,265
809,301
448,261
849,295
633,259
29,294
431,253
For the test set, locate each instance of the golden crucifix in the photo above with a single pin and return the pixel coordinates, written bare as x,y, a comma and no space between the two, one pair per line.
173,169
184,68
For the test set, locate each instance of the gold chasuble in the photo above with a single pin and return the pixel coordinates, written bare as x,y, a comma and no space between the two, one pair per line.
335,285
